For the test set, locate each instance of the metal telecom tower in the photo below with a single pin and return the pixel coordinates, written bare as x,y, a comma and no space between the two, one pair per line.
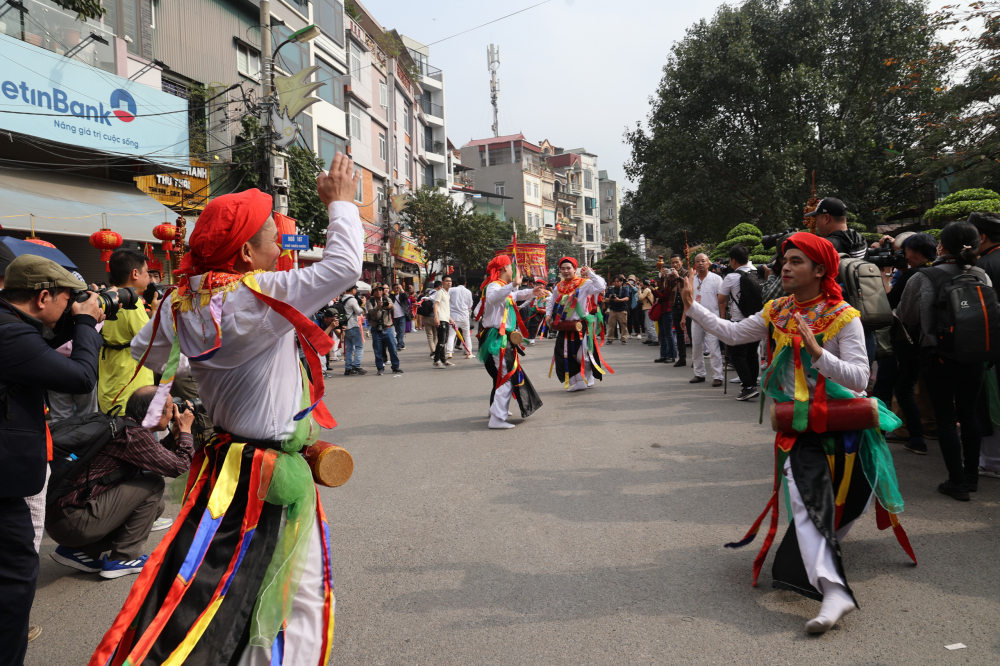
493,62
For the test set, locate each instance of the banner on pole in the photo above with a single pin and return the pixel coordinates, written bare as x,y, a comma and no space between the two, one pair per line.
530,259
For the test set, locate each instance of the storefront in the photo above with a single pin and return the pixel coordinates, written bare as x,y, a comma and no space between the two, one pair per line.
75,139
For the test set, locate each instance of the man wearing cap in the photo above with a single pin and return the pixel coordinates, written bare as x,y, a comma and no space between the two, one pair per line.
831,223
35,297
574,302
240,577
818,365
988,225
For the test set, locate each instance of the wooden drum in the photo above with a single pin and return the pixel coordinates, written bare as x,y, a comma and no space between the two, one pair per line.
852,414
568,326
331,465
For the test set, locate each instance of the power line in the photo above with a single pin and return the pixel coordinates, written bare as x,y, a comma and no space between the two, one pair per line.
489,22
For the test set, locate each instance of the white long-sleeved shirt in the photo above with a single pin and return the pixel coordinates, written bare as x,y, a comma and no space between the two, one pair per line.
595,284
251,386
461,303
844,359
493,304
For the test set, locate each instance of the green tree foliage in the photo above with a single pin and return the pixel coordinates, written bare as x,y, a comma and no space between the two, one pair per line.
754,100
451,232
557,248
304,203
957,206
85,9
621,259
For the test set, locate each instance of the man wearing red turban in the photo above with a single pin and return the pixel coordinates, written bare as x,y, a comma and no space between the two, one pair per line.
818,365
574,304
500,339
250,528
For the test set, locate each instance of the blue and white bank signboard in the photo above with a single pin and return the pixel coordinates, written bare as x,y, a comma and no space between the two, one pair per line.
46,95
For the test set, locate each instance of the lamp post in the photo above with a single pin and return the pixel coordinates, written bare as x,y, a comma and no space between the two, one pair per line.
271,101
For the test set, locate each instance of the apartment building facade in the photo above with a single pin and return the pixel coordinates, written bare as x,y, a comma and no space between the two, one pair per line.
610,198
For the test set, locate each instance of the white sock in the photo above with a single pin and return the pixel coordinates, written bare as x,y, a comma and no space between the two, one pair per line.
836,604
498,424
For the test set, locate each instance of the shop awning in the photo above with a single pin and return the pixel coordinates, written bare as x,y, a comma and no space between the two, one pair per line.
67,204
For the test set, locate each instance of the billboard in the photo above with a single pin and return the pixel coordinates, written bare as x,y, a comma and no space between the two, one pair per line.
60,99
530,259
406,248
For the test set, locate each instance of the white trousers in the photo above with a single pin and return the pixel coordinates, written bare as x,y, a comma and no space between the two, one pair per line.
583,357
699,339
816,553
501,399
651,328
453,338
304,631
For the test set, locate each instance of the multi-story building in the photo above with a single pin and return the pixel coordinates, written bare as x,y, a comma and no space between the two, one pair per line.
589,210
510,167
610,199
432,116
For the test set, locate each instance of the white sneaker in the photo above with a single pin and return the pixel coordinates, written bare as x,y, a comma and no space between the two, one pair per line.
579,386
448,362
162,524
497,424
438,364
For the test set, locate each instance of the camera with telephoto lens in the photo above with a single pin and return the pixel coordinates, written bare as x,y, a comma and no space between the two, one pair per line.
770,242
196,405
886,257
154,289
109,301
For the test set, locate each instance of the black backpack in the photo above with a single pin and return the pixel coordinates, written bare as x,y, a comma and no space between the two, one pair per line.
426,307
75,442
967,316
751,300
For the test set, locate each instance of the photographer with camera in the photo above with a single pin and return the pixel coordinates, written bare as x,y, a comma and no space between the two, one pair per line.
951,348
130,276
37,315
383,333
831,223
116,500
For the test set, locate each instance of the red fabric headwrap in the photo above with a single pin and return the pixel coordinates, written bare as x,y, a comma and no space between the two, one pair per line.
225,225
495,267
569,259
821,251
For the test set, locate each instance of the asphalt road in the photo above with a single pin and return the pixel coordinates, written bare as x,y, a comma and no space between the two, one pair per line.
591,534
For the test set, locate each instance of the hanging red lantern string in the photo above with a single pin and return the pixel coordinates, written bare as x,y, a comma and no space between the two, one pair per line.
166,233
106,241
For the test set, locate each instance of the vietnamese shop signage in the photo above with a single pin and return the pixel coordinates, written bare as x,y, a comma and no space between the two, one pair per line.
59,99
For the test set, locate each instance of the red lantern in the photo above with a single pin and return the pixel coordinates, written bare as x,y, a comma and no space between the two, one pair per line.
166,233
39,241
106,241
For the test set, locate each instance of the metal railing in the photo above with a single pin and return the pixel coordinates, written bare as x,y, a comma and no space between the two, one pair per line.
45,26
432,109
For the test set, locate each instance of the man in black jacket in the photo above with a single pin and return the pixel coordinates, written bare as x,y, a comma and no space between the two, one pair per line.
35,297
831,224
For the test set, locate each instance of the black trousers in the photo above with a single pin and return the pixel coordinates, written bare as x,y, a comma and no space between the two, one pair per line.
954,392
18,576
679,334
744,359
442,341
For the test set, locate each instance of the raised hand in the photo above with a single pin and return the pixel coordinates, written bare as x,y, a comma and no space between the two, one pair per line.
687,291
341,183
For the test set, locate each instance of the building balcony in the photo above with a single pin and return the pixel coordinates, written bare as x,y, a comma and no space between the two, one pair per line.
548,202
566,229
434,113
574,189
462,180
576,216
54,30
563,198
528,167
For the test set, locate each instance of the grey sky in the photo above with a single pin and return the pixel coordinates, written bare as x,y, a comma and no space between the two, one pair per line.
576,72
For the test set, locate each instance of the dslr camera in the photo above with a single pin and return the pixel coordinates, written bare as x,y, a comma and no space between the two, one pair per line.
770,242
886,257
109,301
154,289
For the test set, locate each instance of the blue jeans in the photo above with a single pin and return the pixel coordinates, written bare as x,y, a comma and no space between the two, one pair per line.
399,323
384,338
354,348
667,347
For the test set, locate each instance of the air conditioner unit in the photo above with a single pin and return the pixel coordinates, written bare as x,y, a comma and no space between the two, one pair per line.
283,204
277,168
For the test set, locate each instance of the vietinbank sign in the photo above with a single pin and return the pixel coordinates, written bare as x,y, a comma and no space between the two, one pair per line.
46,95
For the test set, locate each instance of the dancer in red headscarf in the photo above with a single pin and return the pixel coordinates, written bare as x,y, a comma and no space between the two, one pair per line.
572,312
244,574
831,460
500,340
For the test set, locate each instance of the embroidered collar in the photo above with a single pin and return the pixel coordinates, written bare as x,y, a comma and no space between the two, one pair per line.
566,287
825,317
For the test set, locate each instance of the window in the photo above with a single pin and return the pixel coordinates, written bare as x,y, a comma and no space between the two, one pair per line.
329,145
383,95
355,59
429,176
499,188
588,179
359,195
590,233
329,15
293,56
355,130
122,18
406,118
332,89
380,195
549,218
527,188
535,185
381,146
406,164
247,61
306,121
609,193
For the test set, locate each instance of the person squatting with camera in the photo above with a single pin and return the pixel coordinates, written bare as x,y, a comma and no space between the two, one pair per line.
38,313
103,512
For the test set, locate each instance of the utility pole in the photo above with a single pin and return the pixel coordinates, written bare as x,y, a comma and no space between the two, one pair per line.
266,146
493,62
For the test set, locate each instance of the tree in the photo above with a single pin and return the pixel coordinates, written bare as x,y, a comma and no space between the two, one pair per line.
755,100
452,233
556,249
621,259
